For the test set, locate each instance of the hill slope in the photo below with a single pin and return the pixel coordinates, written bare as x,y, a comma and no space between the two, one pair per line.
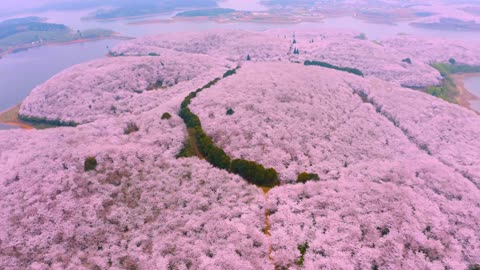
396,176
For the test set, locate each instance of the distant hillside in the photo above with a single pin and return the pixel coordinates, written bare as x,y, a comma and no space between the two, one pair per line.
148,7
174,130
450,24
23,33
18,25
206,12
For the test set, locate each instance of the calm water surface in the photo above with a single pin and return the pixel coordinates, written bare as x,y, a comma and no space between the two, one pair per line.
473,86
5,127
21,72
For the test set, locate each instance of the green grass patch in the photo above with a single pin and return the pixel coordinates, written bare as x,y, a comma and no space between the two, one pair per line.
448,90
187,150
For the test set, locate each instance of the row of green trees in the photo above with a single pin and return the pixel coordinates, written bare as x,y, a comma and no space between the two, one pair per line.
45,121
251,171
255,173
231,72
327,65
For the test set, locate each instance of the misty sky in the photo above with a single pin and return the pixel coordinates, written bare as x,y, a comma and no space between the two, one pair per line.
10,6
7,5
16,6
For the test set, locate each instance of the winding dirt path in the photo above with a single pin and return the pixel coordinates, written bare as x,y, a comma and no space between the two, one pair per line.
193,143
267,225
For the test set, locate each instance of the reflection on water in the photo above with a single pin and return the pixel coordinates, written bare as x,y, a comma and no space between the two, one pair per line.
473,86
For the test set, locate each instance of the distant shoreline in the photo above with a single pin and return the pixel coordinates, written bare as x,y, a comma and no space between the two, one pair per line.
9,117
226,20
76,41
129,17
465,96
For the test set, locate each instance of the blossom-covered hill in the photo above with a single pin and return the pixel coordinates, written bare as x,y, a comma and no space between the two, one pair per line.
124,84
348,130
430,50
140,209
118,85
396,172
232,44
373,59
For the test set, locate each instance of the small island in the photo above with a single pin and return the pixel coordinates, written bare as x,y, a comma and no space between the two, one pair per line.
147,8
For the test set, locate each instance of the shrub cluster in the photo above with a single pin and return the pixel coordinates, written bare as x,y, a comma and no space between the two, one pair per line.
255,173
166,116
304,177
407,60
361,36
383,230
251,171
90,164
131,128
157,85
327,65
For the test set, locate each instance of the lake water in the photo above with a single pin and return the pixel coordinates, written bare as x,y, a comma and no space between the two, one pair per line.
473,86
5,127
21,72
127,27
